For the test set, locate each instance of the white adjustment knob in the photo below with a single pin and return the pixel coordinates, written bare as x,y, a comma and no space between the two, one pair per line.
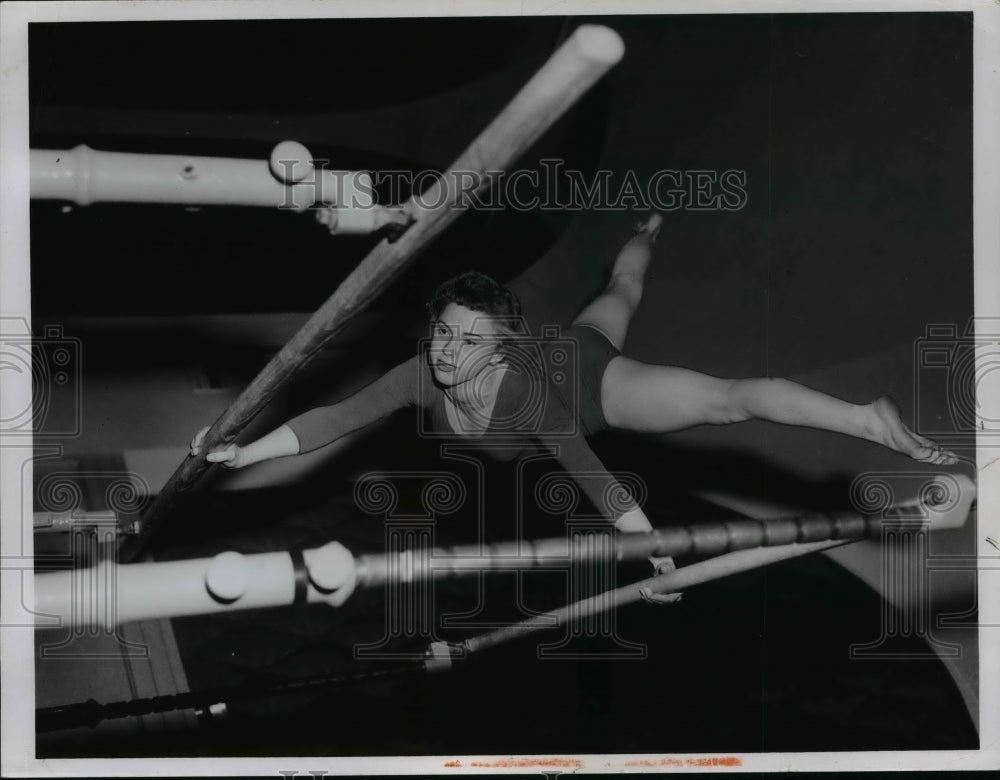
329,566
227,577
291,162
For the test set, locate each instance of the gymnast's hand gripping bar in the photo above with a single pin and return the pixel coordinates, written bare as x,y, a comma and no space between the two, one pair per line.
111,593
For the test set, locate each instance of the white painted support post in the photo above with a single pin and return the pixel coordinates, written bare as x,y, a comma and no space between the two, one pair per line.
109,593
83,176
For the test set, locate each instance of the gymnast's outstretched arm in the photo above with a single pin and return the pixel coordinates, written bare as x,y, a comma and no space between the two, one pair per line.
611,498
279,443
324,424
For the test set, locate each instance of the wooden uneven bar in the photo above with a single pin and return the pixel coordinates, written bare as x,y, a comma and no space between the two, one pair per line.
953,494
585,56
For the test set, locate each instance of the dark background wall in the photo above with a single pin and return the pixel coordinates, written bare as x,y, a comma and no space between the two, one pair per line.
854,132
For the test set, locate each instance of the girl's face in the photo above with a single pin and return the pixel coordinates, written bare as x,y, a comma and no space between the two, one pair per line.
464,345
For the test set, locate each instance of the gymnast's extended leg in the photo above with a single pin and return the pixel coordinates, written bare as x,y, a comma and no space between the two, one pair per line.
657,399
612,310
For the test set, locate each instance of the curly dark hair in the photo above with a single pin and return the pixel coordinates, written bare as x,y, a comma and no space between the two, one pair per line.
479,292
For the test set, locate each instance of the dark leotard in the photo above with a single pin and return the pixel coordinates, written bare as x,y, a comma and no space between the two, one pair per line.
550,393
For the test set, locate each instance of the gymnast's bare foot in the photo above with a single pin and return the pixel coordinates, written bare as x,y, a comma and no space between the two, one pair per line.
650,225
888,429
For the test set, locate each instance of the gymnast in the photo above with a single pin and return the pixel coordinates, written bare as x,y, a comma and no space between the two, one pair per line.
475,382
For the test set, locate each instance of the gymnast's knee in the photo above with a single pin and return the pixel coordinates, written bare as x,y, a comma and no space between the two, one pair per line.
628,287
